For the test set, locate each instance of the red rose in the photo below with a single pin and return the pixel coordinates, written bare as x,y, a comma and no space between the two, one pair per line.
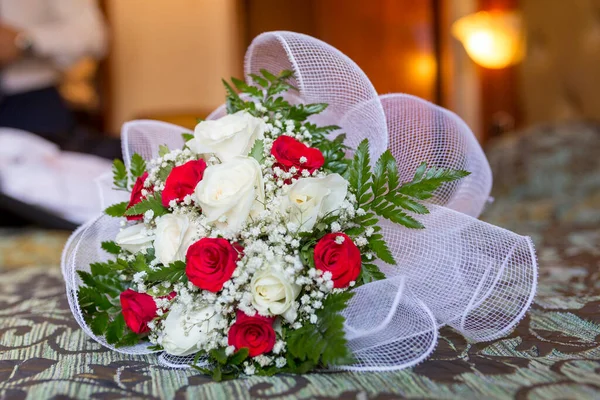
342,260
288,152
136,196
138,310
210,262
182,181
255,333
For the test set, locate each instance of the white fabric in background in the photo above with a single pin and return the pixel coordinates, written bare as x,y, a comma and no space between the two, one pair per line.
62,31
35,171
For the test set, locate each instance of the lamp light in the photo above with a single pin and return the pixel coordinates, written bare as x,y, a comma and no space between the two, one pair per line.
492,39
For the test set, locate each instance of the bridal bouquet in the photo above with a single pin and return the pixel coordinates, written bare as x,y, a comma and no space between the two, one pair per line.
282,234
244,246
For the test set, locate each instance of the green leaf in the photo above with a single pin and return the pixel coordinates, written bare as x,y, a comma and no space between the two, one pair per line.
130,339
139,264
323,343
334,152
393,213
239,356
370,273
173,273
119,175
163,150
90,299
426,181
408,204
245,88
286,74
381,249
269,76
114,330
300,112
393,176
152,202
355,231
360,173
138,166
99,323
86,278
117,210
100,268
105,285
261,81
187,136
111,247
258,151
217,374
219,355
230,92
380,177
164,172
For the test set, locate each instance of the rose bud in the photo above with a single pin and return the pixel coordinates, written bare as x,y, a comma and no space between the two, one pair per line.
255,333
136,196
336,253
210,262
182,181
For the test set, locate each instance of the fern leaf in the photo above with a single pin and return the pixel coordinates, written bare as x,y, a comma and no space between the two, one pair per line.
426,181
360,173
153,203
138,165
381,249
116,210
119,175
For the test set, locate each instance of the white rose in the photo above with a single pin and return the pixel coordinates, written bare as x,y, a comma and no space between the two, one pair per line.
134,238
174,234
184,333
273,293
230,192
310,198
229,136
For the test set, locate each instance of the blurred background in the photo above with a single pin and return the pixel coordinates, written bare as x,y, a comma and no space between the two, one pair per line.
522,73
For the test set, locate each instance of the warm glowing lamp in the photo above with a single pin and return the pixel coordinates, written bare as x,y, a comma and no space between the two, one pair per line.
492,39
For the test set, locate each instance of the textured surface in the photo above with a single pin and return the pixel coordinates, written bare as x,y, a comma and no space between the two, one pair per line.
553,353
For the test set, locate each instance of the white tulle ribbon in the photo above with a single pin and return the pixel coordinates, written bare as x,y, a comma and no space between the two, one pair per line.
476,277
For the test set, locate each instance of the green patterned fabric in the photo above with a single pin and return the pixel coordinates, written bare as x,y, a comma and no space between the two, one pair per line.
547,186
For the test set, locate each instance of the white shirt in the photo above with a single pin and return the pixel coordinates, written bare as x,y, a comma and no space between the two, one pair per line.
62,31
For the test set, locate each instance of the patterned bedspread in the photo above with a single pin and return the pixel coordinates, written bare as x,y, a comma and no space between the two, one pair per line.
547,186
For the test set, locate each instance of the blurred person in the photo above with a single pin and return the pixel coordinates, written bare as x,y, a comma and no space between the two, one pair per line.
38,40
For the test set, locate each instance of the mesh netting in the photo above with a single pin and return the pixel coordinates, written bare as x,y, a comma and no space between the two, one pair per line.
419,132
325,75
146,136
476,277
82,249
387,326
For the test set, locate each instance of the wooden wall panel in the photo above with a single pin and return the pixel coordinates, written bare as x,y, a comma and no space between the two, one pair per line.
393,41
